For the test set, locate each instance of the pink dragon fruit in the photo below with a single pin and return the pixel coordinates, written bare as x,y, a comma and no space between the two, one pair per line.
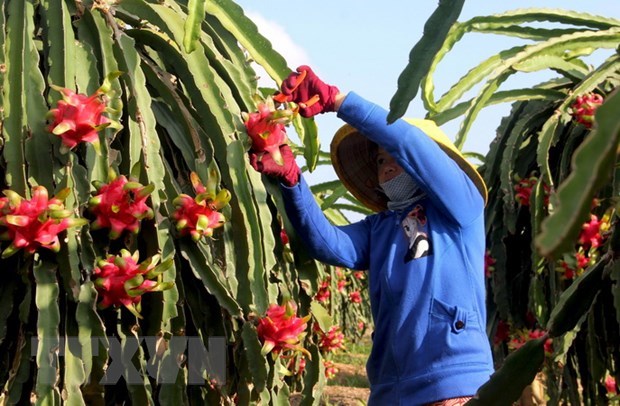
331,341
585,107
31,224
266,129
78,118
199,216
121,281
120,205
281,329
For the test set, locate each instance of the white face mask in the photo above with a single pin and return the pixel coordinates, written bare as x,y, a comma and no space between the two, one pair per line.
400,188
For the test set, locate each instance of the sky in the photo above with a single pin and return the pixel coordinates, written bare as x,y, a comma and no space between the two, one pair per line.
363,46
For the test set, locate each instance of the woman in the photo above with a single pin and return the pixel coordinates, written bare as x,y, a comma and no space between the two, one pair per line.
423,249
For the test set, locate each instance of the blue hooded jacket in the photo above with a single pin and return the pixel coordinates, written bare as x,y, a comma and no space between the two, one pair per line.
425,267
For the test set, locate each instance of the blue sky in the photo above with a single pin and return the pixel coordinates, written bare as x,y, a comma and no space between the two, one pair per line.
364,46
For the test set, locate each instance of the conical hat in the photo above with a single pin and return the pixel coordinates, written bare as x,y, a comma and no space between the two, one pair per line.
354,165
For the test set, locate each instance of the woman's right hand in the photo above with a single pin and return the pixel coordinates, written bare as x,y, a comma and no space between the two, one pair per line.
311,94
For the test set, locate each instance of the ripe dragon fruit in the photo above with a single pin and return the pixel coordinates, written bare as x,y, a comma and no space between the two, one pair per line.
120,205
331,341
78,118
355,297
34,223
266,129
585,107
121,281
199,216
281,329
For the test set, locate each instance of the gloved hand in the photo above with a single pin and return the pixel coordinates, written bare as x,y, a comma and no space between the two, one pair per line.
288,173
311,94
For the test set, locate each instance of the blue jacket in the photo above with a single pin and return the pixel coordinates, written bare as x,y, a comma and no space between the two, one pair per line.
425,265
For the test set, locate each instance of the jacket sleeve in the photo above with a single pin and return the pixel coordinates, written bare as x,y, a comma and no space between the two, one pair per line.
345,246
448,187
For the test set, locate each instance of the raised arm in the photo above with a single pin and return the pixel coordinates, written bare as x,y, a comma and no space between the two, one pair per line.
346,246
446,184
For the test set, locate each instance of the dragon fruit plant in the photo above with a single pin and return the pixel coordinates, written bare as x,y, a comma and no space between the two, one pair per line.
121,281
266,128
120,205
34,223
199,216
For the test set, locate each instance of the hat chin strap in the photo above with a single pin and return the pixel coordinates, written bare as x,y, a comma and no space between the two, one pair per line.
401,191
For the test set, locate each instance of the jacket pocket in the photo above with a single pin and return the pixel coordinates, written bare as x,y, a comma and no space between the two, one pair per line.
454,336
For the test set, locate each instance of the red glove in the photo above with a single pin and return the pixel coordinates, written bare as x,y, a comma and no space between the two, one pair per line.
288,173
310,93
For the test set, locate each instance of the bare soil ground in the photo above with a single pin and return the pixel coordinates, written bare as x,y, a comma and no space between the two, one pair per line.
348,388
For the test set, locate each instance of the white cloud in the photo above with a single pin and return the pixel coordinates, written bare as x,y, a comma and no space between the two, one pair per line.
281,41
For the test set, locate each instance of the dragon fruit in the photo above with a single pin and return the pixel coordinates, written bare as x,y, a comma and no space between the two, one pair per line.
266,129
330,341
31,224
78,118
585,107
121,280
281,329
120,205
199,216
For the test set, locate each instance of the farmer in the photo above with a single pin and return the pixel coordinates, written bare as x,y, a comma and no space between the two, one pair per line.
423,249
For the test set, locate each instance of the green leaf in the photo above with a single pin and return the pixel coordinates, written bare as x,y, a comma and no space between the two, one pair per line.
518,371
469,80
577,299
13,129
257,363
48,321
75,364
134,371
601,39
207,274
257,275
58,35
502,96
195,15
555,62
592,165
314,378
420,59
92,338
321,315
561,16
260,49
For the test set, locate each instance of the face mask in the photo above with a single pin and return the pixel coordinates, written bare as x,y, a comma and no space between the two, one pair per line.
399,188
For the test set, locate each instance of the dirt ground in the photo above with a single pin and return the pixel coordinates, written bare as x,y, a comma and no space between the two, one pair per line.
346,396
339,391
